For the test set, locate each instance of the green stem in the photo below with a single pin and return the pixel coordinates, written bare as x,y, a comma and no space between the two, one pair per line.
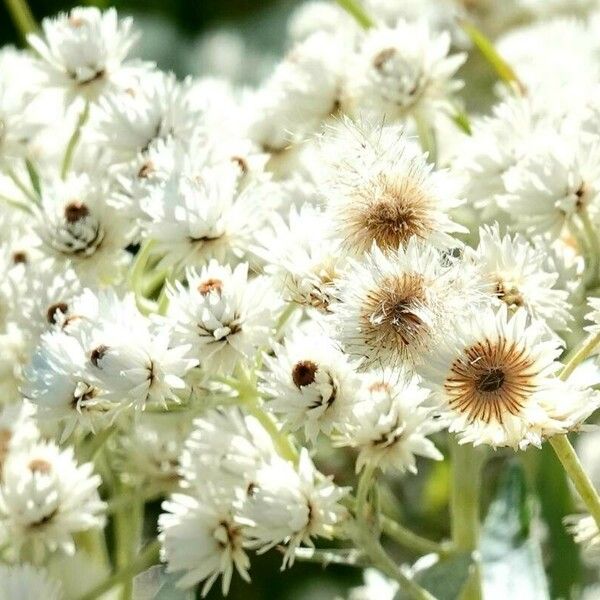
21,15
371,545
586,349
93,543
281,441
22,187
467,463
568,457
149,557
73,141
128,522
355,8
409,539
504,71
91,449
284,317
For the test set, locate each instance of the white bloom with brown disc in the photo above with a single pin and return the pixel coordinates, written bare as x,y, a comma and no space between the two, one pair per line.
311,384
395,307
291,505
199,537
380,188
24,582
390,424
45,498
496,381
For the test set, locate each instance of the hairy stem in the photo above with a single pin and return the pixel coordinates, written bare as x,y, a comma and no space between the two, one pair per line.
148,557
467,463
371,545
74,140
410,540
583,484
586,349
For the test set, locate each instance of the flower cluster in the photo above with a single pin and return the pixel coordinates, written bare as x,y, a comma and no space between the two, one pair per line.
210,295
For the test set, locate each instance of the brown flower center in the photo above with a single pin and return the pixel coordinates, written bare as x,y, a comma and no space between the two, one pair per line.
303,373
76,211
54,309
39,465
490,381
389,211
97,354
210,285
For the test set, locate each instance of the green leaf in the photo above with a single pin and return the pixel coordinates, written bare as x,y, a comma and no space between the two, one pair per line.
503,70
444,578
511,557
156,584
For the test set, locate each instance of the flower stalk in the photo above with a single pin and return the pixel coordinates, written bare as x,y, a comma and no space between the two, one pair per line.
22,17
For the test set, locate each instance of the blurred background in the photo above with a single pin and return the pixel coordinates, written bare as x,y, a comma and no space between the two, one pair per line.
197,37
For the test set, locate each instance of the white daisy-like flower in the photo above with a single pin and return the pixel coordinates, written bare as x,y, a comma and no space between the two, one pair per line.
222,315
514,272
225,446
24,582
202,217
495,381
311,384
76,223
150,450
390,424
303,91
157,108
304,257
401,71
381,189
546,190
396,306
46,497
291,505
59,385
199,536
84,52
499,141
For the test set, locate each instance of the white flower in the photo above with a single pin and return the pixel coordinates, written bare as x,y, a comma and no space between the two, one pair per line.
60,388
546,190
495,380
401,71
380,188
514,272
593,315
17,128
157,108
84,52
225,447
303,256
390,424
138,367
291,505
222,315
499,142
395,307
206,216
150,450
46,497
302,92
75,222
200,537
311,384
24,582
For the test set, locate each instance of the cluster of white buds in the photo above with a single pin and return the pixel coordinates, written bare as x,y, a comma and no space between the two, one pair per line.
213,297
